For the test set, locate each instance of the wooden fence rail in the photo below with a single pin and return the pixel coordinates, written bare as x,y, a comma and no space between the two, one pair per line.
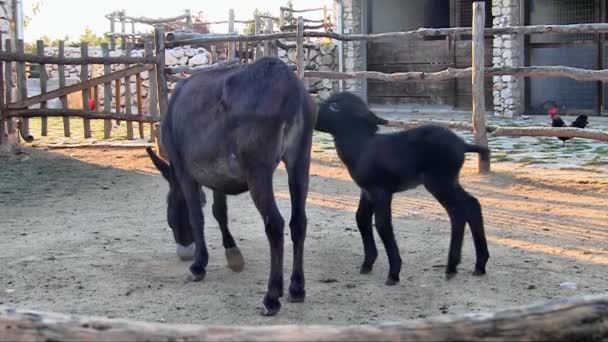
571,319
86,60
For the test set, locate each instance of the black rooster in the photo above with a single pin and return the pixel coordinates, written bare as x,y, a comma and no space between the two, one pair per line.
556,121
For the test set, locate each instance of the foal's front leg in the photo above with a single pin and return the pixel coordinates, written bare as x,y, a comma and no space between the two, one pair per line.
384,225
220,212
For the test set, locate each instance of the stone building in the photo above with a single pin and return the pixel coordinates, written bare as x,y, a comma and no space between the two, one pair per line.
505,95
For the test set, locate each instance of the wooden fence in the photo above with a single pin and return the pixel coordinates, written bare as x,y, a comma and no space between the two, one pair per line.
152,63
571,319
476,72
248,48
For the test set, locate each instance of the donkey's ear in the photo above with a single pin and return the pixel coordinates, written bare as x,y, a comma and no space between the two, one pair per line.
160,164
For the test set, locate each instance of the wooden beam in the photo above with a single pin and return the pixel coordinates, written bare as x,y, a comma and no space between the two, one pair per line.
451,73
479,101
565,132
531,131
80,86
300,48
568,319
58,112
163,91
28,58
155,21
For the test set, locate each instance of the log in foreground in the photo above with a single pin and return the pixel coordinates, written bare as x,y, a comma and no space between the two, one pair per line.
570,319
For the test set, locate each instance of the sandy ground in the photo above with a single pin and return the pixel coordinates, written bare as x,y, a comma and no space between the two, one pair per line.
83,231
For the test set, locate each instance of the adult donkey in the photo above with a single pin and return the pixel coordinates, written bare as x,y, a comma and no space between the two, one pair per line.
227,129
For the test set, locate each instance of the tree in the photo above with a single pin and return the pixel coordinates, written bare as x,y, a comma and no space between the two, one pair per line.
36,5
198,25
250,28
288,18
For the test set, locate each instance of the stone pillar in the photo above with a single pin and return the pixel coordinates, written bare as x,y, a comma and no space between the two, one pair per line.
508,51
353,57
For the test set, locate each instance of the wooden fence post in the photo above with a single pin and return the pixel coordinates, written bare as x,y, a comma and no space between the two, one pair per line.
112,31
43,86
107,93
479,103
64,98
8,84
128,110
163,92
189,25
2,87
84,75
231,45
258,31
123,29
300,48
140,101
268,45
152,89
22,89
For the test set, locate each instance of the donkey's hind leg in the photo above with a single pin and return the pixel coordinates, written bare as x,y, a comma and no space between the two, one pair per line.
298,172
220,212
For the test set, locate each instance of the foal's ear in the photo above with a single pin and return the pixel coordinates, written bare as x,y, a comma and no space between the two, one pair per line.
160,164
374,119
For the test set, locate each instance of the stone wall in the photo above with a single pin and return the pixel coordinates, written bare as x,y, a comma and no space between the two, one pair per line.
194,57
353,55
322,58
508,51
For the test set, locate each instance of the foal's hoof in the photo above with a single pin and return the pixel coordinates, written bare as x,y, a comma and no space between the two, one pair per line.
235,259
271,307
296,296
391,281
197,273
366,269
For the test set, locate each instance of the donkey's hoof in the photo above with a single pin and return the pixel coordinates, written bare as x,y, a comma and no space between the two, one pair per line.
185,253
197,273
479,272
271,307
450,274
366,269
235,259
296,296
391,281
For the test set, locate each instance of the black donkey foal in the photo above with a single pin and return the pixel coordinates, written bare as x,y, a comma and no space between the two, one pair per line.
383,164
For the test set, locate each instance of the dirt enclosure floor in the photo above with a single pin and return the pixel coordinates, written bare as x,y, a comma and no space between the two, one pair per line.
83,231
